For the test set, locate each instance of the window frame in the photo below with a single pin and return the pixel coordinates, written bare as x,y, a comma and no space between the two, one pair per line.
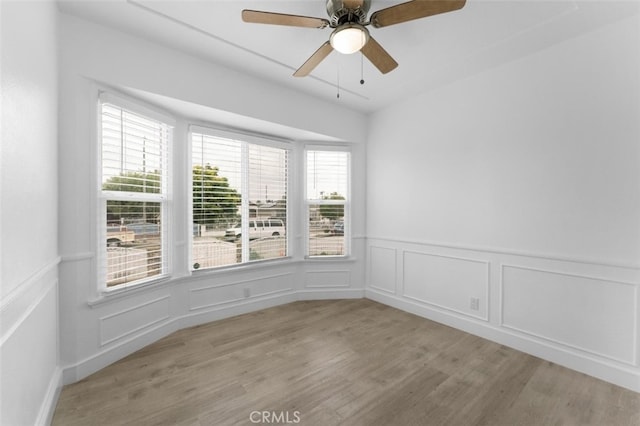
307,202
164,197
245,139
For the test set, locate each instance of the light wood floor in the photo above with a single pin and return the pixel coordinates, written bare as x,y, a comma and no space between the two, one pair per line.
347,362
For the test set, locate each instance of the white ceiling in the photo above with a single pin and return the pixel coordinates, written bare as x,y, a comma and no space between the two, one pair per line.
431,52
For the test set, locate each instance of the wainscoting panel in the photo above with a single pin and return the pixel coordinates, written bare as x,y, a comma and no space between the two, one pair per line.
327,279
123,323
454,283
29,350
587,313
579,313
221,294
382,268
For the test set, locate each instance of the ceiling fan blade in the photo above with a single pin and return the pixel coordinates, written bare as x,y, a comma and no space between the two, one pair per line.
378,56
415,9
314,60
258,17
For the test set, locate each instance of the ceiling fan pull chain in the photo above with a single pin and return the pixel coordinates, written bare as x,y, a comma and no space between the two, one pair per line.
361,67
338,82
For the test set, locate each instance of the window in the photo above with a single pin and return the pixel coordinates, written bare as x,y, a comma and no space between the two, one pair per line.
133,196
327,200
239,203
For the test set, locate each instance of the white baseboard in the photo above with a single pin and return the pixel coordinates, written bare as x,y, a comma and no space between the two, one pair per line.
48,407
231,310
604,369
96,362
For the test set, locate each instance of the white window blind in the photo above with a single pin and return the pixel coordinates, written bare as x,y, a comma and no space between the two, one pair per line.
327,198
133,193
239,192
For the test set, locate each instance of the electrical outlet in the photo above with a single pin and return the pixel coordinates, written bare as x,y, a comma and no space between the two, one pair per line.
247,292
474,304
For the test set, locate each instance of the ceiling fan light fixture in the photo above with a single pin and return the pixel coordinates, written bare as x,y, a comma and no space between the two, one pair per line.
349,38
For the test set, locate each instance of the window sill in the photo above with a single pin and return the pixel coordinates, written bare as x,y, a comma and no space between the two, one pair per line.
241,267
330,258
106,296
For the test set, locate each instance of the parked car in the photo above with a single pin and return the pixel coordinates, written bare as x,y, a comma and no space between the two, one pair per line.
338,228
258,228
117,235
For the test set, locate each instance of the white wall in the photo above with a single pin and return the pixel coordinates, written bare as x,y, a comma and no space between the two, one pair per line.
29,271
519,187
97,329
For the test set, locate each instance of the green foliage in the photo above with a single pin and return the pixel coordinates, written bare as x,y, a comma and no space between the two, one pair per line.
134,182
253,255
332,212
133,211
214,201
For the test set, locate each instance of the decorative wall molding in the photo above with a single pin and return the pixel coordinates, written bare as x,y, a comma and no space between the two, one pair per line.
632,298
377,277
239,299
440,304
239,282
568,274
20,303
112,296
238,291
27,285
134,315
510,252
384,290
314,279
328,293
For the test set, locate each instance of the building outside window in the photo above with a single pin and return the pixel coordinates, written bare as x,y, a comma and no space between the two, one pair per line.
327,202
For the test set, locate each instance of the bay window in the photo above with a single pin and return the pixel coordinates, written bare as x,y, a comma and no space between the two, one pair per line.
237,208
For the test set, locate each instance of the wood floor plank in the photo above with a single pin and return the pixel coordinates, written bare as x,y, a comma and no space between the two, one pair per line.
344,362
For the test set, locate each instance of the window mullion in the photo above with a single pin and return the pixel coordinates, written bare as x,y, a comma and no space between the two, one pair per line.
244,182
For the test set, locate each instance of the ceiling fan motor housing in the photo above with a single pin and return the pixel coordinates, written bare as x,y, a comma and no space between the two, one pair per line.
347,11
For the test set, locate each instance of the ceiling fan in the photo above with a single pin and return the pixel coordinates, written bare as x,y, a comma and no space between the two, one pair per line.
349,20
